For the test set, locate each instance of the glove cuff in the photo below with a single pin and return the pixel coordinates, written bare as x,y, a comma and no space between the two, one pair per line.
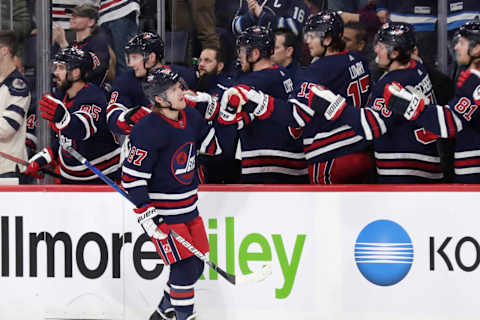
44,157
64,121
265,108
415,107
143,209
212,109
335,108
146,213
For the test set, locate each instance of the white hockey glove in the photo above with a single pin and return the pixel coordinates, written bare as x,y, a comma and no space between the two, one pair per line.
54,110
324,101
192,98
39,161
145,219
403,102
241,99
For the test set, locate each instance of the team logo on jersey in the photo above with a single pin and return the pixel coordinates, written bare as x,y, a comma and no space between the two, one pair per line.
183,163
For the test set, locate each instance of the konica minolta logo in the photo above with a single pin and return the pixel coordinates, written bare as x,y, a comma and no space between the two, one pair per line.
384,252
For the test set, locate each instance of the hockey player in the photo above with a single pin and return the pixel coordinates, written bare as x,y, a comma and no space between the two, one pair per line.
335,153
15,102
265,157
290,14
460,117
404,151
211,84
79,119
159,175
128,103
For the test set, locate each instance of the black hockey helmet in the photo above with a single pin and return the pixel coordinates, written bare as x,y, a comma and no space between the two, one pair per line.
471,31
146,43
158,81
397,36
261,38
75,58
327,22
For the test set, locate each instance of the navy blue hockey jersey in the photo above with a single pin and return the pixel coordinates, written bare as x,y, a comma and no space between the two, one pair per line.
346,74
290,14
87,133
161,164
268,152
127,93
459,119
226,135
404,152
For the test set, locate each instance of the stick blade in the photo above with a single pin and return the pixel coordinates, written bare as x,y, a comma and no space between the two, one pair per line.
254,277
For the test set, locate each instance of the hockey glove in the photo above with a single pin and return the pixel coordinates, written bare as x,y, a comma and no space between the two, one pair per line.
145,219
241,99
54,110
324,101
128,118
468,81
192,98
402,101
39,161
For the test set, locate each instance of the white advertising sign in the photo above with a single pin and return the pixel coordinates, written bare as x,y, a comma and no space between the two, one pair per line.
335,255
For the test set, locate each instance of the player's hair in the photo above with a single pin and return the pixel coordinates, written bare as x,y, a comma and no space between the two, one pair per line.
8,39
219,54
361,30
290,38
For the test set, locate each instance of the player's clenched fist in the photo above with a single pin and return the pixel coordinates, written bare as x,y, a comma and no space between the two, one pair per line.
325,102
402,101
242,99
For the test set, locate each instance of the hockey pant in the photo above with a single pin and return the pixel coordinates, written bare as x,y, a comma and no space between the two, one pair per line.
172,251
347,169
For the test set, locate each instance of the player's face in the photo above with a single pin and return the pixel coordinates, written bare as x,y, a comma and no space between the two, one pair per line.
60,75
461,51
382,54
280,55
242,56
135,61
350,38
176,97
314,43
207,63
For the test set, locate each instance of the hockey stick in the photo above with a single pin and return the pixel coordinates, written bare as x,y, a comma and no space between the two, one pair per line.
236,280
25,163
257,276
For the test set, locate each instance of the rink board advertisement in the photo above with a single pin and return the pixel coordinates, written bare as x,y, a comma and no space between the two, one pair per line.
376,253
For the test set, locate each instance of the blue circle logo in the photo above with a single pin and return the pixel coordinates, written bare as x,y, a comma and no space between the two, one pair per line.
384,252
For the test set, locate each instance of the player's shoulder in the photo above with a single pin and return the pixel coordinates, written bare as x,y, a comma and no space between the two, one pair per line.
16,84
469,80
125,81
91,94
272,74
148,130
193,114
